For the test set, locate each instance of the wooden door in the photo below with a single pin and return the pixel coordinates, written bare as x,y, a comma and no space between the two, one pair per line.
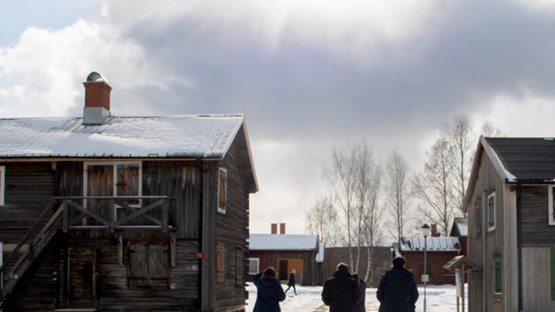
100,182
82,279
286,265
148,265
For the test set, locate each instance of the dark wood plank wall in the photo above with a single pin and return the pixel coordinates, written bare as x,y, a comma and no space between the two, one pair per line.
43,295
180,181
29,189
232,231
535,230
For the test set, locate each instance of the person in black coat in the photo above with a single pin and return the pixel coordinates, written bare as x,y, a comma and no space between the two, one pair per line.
269,291
397,291
292,281
361,301
341,291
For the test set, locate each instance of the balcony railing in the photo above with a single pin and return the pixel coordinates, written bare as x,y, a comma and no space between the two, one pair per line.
84,213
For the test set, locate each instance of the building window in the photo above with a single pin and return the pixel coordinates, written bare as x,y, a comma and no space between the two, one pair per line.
2,184
148,265
550,203
478,216
498,276
491,211
222,190
113,179
254,266
220,262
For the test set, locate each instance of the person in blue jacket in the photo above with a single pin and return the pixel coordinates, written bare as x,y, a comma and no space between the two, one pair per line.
269,291
397,291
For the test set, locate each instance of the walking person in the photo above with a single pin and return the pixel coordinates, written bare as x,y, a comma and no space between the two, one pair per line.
269,291
361,301
291,282
341,291
397,291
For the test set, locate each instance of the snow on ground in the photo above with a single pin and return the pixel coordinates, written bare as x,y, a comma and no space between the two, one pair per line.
438,298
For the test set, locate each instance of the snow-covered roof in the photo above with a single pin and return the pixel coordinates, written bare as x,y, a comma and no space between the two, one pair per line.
283,242
461,225
207,136
443,243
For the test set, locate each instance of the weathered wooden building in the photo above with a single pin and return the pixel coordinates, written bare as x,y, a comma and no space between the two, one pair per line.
105,213
511,225
285,252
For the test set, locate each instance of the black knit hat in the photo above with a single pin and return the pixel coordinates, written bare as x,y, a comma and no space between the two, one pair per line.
399,261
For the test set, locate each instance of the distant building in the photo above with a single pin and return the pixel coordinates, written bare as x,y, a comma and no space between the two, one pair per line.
439,251
286,252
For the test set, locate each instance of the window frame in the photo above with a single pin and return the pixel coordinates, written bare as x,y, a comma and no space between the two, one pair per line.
550,203
222,190
2,184
114,165
257,260
492,215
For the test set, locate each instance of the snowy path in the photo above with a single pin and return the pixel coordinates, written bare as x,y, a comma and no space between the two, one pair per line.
439,299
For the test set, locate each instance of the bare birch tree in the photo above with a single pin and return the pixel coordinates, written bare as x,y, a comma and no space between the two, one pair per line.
321,220
397,193
354,181
461,138
433,187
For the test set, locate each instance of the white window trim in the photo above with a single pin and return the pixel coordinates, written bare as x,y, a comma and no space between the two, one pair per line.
251,271
113,164
2,184
222,209
550,203
492,227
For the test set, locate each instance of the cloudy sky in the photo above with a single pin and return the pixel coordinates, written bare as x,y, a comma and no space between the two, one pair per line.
309,75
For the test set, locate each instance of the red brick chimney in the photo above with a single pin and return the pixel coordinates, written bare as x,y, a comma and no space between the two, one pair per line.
434,230
282,228
274,228
97,99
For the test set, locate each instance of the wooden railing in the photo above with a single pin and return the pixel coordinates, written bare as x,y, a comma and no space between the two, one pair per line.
83,213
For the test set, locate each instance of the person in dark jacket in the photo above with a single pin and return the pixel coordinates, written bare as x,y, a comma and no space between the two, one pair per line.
397,291
269,291
361,301
340,292
292,281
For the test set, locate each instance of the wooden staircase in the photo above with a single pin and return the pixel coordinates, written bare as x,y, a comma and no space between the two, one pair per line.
66,213
30,246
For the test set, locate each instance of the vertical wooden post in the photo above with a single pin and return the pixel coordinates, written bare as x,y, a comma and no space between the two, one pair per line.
120,247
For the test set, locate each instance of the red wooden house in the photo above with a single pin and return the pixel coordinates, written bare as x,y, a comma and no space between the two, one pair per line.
285,252
439,251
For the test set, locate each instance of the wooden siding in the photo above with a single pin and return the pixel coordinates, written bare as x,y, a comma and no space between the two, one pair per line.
536,279
232,229
483,246
272,258
192,186
535,230
29,188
